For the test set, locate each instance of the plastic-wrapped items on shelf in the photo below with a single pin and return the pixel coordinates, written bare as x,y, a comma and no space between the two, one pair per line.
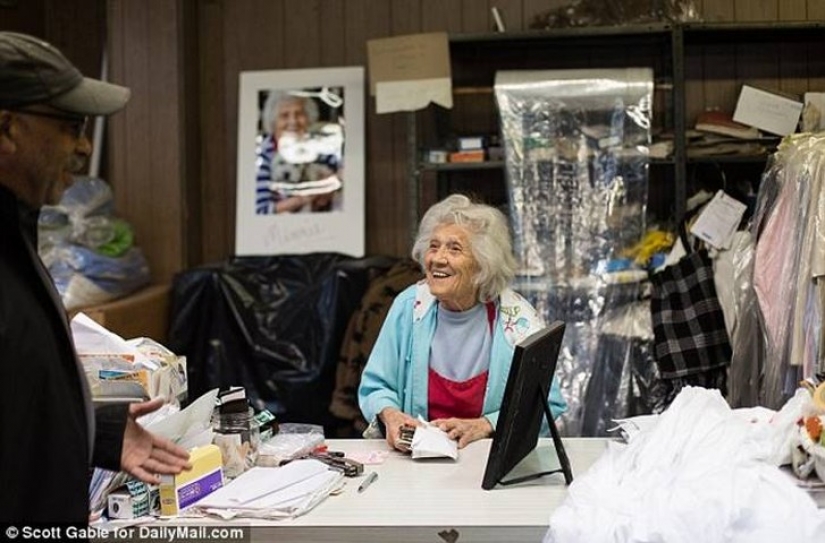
579,13
89,252
576,148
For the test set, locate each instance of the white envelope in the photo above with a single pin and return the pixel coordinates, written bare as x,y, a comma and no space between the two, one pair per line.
431,442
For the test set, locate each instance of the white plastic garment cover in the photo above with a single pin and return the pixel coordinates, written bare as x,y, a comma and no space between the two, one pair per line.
576,149
788,266
701,472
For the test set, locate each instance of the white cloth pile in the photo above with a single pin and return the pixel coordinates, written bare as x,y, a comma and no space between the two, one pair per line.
698,472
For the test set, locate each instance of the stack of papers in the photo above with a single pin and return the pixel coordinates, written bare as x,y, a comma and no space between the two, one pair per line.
285,492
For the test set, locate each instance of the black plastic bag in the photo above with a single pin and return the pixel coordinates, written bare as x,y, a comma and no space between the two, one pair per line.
272,325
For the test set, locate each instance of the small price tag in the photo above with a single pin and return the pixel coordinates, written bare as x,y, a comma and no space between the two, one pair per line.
718,221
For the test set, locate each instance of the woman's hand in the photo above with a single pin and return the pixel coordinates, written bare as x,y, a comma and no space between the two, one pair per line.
393,420
465,431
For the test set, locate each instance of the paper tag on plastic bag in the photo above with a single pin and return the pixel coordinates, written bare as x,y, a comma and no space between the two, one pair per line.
718,220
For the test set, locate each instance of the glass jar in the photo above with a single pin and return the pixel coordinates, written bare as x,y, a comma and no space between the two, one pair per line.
238,437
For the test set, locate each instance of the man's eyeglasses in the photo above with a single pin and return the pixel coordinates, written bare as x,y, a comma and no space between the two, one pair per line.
77,123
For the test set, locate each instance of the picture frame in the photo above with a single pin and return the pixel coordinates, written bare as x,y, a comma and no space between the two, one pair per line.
300,167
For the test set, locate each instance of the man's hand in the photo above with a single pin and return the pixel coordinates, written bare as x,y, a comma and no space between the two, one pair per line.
465,431
393,419
145,456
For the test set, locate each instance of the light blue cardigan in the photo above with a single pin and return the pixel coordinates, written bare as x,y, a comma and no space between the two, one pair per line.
396,374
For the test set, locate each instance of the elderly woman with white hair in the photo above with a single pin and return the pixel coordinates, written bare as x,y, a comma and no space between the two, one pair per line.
445,348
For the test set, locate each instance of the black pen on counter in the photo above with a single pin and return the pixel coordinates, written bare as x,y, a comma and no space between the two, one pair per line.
368,481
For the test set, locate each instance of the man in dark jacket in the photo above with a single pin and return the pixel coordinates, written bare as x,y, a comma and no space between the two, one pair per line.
49,433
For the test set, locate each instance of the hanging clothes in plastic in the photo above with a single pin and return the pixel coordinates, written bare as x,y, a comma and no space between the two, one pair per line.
788,266
576,149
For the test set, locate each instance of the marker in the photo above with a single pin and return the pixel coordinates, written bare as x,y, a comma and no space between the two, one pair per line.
368,481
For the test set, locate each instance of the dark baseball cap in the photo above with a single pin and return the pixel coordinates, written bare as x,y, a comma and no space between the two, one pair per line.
33,71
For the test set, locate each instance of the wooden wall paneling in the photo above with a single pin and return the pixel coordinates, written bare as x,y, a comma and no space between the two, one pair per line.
438,15
793,68
475,16
816,59
148,191
816,64
756,10
405,18
757,64
27,16
190,111
718,10
511,12
303,27
254,39
720,86
694,85
333,52
217,194
78,29
366,20
116,136
793,10
133,121
161,230
255,29
169,159
816,10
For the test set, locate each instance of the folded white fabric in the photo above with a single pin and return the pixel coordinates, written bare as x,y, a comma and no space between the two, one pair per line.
701,472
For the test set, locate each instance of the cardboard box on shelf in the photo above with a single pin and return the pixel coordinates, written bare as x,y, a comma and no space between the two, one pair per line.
476,155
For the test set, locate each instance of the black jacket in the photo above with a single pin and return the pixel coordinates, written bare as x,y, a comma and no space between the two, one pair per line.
44,435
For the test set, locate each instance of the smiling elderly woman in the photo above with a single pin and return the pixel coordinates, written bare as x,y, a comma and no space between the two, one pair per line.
445,348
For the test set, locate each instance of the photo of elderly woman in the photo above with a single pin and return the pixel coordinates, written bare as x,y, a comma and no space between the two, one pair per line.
299,148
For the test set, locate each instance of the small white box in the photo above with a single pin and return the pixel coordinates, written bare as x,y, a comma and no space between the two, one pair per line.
767,111
124,505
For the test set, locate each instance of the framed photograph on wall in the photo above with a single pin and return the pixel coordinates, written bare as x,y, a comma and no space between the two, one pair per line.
300,162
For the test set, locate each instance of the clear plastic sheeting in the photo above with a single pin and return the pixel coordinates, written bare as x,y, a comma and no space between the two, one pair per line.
89,251
576,149
624,373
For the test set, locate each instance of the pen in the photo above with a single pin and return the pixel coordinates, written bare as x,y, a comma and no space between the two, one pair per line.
368,481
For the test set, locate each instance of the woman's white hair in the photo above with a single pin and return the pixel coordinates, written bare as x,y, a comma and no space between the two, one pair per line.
489,240
274,100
